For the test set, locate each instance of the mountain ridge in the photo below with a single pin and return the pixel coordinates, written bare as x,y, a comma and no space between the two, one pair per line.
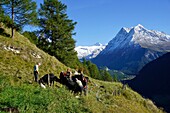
133,43
89,52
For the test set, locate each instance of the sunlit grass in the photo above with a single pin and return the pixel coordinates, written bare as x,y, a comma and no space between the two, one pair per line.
17,88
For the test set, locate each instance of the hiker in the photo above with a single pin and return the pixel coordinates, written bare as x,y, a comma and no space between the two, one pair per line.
69,74
36,72
80,72
84,82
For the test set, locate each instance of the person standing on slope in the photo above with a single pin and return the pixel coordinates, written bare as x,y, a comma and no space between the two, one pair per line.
36,72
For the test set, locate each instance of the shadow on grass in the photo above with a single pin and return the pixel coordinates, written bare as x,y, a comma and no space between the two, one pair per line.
2,32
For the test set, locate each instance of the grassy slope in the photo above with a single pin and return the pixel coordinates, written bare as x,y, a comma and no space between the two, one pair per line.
19,93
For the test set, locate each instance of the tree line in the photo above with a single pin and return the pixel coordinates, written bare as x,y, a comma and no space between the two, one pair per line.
54,34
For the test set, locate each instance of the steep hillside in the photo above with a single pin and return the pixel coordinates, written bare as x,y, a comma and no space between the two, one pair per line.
132,48
19,55
19,92
153,81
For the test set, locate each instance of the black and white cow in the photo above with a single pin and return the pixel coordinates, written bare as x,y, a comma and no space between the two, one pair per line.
48,79
76,83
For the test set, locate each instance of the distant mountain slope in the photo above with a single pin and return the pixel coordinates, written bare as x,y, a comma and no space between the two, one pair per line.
153,81
132,48
89,52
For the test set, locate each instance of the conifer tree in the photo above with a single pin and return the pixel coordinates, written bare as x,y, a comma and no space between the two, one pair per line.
22,12
5,19
1,12
93,70
57,31
106,75
31,36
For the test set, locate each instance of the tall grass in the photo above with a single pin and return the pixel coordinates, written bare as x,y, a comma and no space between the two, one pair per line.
32,98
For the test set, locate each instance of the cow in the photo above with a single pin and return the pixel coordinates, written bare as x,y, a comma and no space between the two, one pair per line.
48,79
76,83
72,83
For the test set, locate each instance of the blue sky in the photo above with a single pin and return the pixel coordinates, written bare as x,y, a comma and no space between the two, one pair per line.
100,20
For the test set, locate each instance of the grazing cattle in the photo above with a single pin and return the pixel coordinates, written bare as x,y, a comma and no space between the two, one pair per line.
73,86
74,83
48,79
42,85
80,86
79,77
63,78
79,82
84,81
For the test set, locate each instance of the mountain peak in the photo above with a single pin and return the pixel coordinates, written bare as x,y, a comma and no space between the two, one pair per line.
97,44
126,29
139,27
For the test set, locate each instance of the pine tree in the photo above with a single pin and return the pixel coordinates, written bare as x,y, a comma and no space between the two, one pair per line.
1,12
22,12
106,75
5,19
85,67
31,36
93,70
57,31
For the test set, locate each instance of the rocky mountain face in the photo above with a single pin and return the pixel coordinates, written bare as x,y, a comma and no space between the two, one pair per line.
132,48
153,81
89,52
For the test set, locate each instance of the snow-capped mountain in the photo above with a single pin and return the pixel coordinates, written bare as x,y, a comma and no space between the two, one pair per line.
89,52
132,48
